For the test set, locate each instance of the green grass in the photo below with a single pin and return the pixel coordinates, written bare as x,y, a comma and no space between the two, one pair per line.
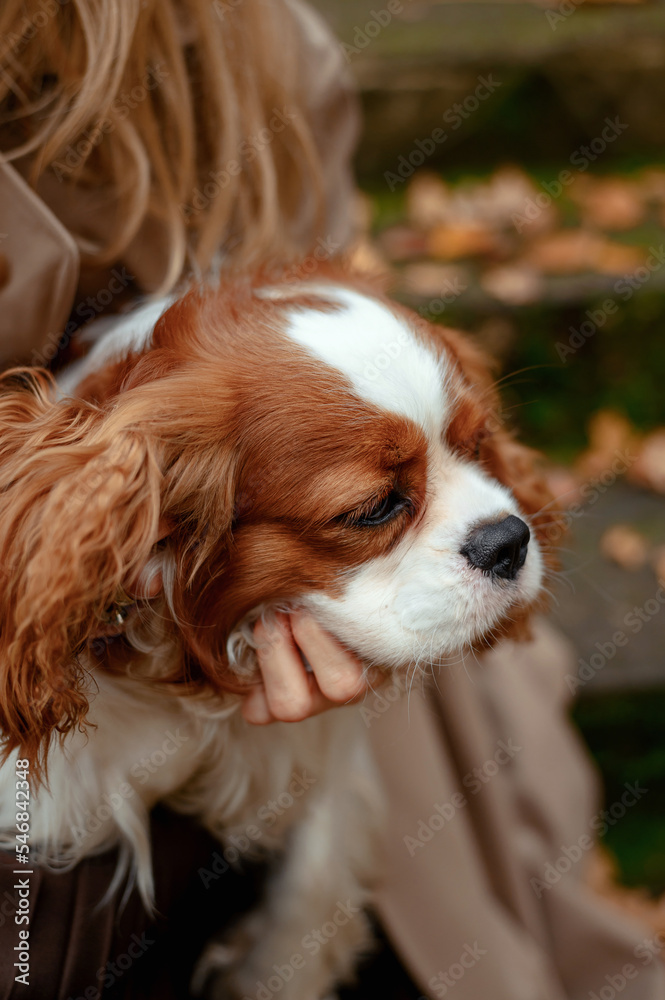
622,367
625,735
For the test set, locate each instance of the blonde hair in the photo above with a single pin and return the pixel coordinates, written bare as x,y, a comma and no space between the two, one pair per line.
168,104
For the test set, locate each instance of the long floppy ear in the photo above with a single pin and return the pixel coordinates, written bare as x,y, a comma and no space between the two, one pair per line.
79,508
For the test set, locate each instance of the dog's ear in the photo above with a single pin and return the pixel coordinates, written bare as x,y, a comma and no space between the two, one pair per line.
79,510
199,497
515,465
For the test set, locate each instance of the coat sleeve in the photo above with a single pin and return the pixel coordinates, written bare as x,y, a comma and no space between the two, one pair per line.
39,269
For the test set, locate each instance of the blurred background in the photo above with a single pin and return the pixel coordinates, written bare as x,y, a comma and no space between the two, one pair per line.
513,176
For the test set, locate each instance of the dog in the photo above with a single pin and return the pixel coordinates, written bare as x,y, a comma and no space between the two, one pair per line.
251,447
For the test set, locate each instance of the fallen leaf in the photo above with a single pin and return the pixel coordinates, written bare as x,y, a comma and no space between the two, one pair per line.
507,191
453,242
362,210
609,202
649,468
609,431
617,258
563,485
624,546
613,446
514,284
402,243
428,279
534,220
365,257
653,184
428,201
566,251
571,251
658,563
495,202
601,877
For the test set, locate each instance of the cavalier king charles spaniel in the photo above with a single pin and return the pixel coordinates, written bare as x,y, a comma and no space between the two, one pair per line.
258,446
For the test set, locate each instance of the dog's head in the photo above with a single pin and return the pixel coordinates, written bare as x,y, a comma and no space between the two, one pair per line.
265,444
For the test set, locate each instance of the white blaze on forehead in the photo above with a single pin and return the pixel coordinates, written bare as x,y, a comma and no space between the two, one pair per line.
378,353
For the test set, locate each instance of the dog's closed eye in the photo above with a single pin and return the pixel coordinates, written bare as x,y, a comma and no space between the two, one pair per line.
377,510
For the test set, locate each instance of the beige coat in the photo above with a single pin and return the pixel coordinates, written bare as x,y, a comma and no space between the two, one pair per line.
489,788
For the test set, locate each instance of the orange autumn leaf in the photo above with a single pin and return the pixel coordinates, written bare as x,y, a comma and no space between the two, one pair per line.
454,242
649,469
609,202
625,546
571,251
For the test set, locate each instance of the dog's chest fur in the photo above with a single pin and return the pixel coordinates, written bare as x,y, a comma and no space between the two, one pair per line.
197,755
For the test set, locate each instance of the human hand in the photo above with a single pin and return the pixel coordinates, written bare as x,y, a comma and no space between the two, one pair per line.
288,692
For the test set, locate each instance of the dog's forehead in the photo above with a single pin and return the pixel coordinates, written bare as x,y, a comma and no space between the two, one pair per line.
379,355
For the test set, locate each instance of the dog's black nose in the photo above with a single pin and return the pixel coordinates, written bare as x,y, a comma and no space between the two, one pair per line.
499,549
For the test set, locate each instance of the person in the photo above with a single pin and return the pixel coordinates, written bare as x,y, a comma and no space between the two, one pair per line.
145,140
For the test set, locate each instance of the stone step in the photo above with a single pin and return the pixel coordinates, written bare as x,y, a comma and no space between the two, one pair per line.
562,76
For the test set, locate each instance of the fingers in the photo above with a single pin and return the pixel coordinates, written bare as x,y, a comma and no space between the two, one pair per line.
338,673
290,693
285,682
256,709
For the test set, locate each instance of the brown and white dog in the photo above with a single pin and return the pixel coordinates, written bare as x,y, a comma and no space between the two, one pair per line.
252,447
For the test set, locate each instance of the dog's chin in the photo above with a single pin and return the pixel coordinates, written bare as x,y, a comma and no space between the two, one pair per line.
494,619
433,650
415,627
428,634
